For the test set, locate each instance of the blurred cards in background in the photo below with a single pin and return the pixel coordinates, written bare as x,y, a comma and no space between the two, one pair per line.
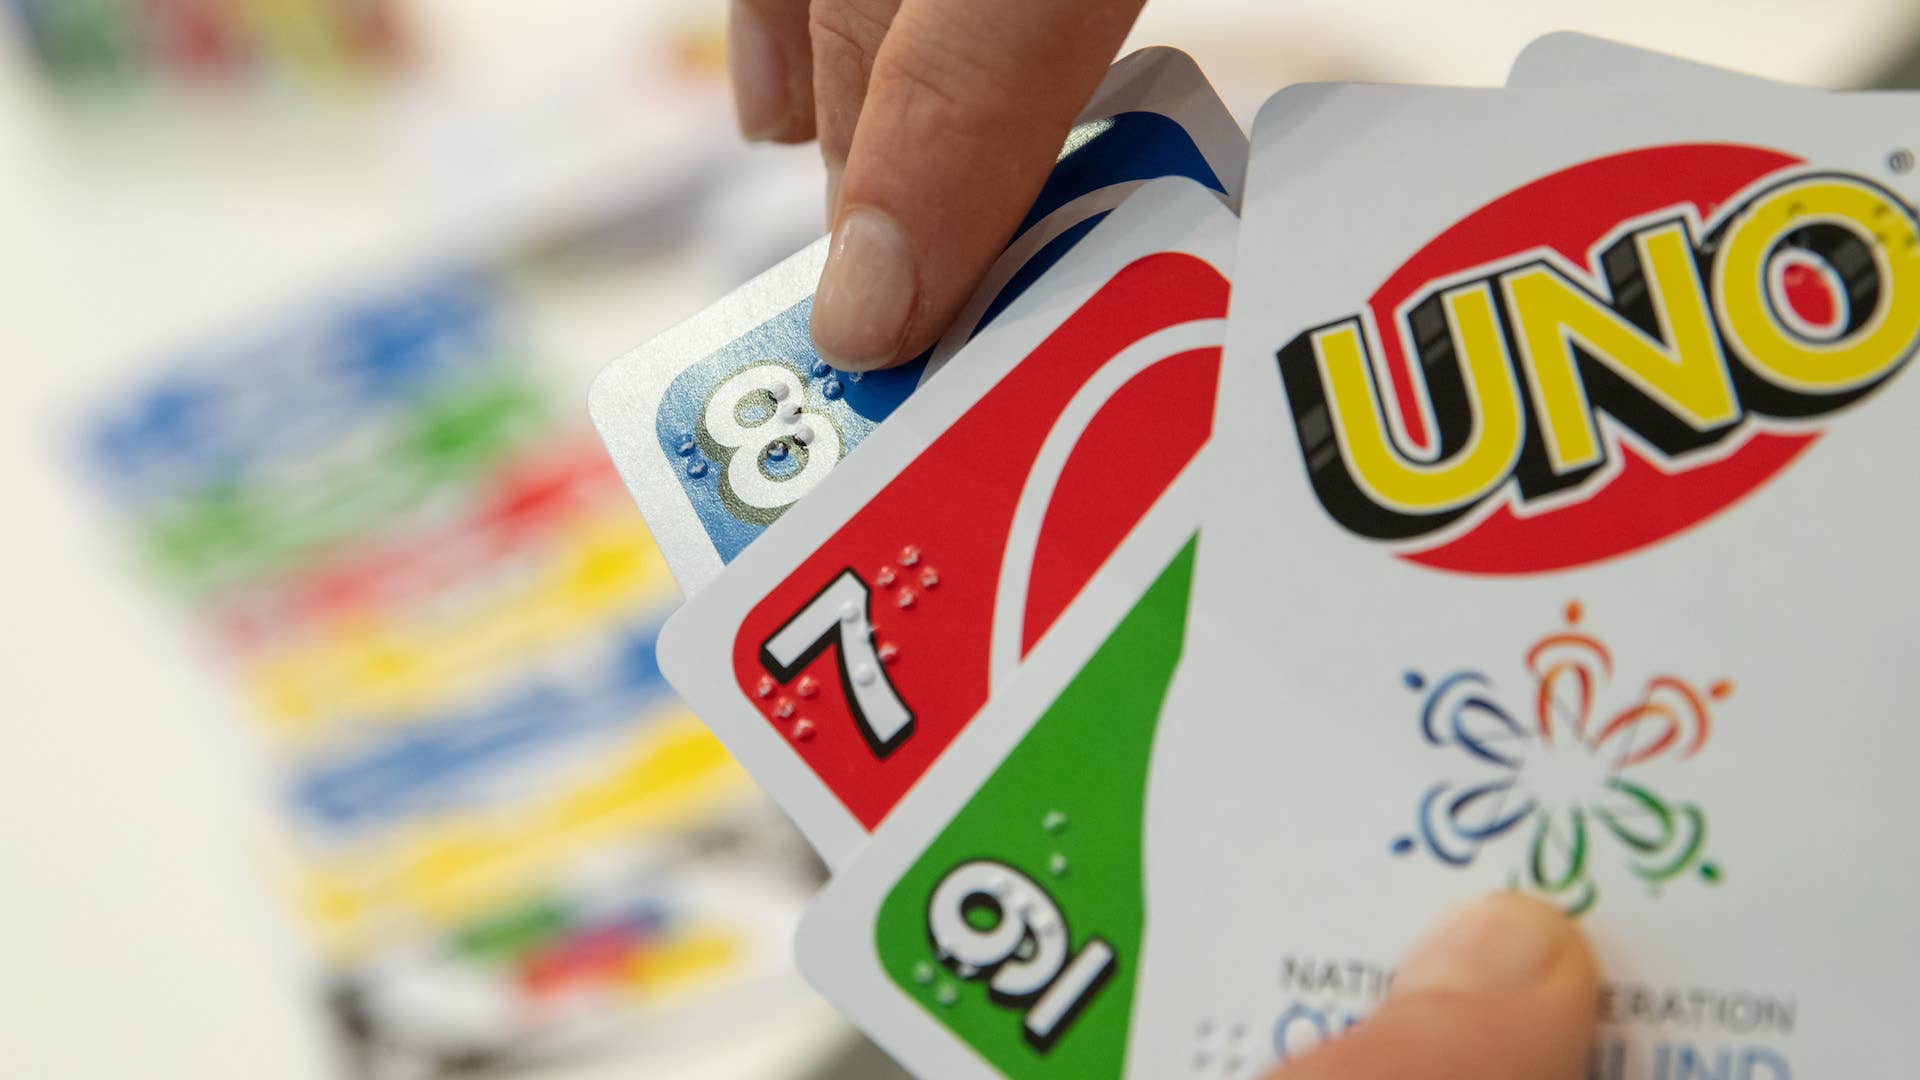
508,839
103,42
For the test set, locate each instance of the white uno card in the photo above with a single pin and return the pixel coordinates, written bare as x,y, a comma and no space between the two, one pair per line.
694,419
839,657
1569,60
1558,540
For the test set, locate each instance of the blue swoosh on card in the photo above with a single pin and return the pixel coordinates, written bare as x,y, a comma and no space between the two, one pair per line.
1127,148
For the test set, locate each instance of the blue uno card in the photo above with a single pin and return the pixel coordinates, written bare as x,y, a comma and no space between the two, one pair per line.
725,422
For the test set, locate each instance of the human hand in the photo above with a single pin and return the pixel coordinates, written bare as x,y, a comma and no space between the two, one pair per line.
1503,989
939,121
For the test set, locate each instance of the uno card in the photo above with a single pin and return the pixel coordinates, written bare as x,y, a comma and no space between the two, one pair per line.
1568,60
838,658
1587,459
890,938
711,470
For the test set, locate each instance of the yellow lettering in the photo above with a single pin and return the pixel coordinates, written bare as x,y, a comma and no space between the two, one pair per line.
1687,376
1358,420
1875,344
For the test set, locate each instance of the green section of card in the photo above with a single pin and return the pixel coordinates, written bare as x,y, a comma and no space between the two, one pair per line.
1066,809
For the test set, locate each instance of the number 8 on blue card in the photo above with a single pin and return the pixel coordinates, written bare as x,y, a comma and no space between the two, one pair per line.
722,424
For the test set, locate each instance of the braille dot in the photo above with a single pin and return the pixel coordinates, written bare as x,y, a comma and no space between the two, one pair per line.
1057,865
764,688
819,370
803,434
929,578
910,555
687,446
946,995
885,578
803,730
778,452
906,599
697,468
1054,822
832,390
889,653
806,687
923,973
783,708
1403,846
863,674
849,612
780,391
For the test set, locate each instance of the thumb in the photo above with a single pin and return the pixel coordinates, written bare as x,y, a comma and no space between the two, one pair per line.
1502,989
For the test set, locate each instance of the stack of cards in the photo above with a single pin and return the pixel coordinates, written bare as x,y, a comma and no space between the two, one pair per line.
113,42
1509,498
511,843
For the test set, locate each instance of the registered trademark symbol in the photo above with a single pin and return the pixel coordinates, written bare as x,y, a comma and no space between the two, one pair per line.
1901,162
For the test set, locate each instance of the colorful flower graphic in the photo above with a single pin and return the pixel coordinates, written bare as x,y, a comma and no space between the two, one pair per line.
1569,775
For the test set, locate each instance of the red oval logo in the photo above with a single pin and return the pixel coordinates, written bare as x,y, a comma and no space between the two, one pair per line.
1606,357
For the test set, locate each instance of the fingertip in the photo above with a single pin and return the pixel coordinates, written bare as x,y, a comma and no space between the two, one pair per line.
769,93
869,293
1502,988
1497,941
800,130
965,111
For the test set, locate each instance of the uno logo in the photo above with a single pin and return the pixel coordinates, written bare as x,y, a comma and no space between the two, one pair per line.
1606,357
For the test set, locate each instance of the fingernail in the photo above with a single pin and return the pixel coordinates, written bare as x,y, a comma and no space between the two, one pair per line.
761,90
834,173
867,292
1498,941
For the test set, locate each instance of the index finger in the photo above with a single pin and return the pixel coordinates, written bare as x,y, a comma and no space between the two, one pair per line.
965,114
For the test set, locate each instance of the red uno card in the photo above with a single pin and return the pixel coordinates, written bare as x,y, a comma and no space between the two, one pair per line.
839,657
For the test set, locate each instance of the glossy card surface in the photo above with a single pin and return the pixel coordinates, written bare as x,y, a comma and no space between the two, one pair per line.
1068,745
839,658
1558,541
720,426
1574,567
